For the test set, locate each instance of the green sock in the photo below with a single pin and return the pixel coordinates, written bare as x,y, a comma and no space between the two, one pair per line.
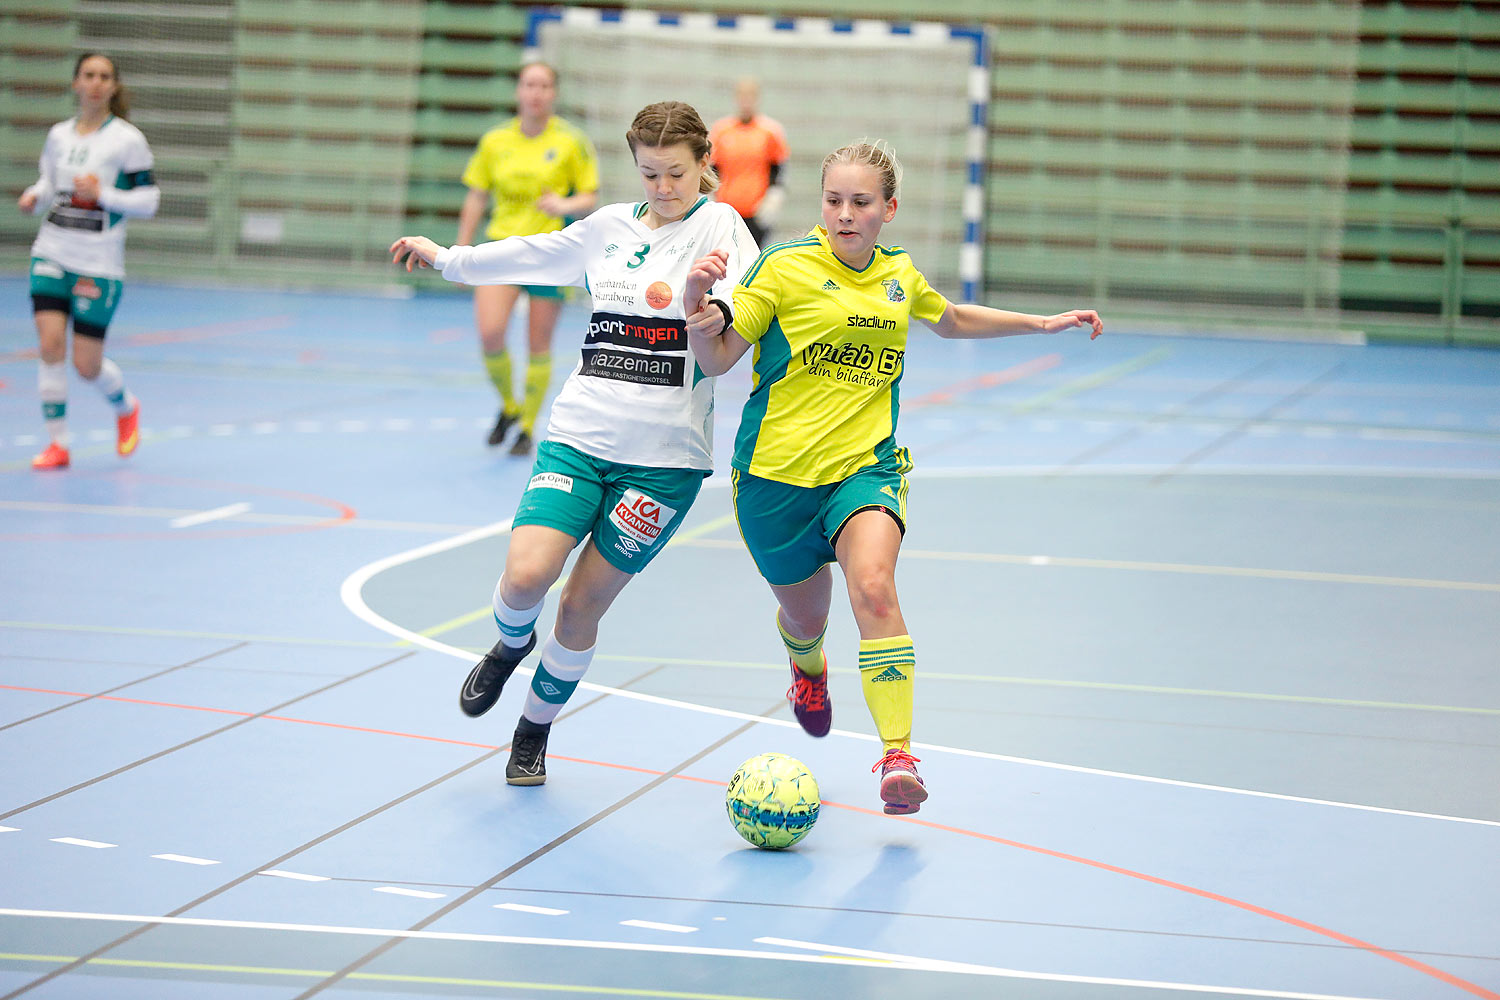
538,377
886,669
498,367
807,654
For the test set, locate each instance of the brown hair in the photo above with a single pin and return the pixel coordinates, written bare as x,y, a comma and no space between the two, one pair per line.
119,102
667,123
870,153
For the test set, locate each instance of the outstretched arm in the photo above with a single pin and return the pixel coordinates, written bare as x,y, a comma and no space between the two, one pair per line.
715,344
966,321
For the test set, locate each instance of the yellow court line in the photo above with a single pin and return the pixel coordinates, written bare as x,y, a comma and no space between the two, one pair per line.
1144,566
938,675
1093,381
286,640
685,537
378,977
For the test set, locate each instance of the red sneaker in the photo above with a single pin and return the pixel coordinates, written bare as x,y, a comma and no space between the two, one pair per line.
55,457
809,698
129,435
901,788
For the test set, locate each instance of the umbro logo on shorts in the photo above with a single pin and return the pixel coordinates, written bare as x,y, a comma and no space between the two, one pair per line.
627,545
890,673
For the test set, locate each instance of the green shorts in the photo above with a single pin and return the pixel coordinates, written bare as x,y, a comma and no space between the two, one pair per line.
632,510
791,530
90,301
543,291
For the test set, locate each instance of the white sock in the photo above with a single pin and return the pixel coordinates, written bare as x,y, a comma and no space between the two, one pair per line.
52,386
516,625
554,681
111,385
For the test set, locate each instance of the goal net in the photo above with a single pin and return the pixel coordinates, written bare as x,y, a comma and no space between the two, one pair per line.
921,87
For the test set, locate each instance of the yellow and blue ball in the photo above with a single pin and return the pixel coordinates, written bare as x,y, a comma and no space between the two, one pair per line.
773,801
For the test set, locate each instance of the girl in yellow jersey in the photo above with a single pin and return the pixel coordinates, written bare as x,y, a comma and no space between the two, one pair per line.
539,168
817,474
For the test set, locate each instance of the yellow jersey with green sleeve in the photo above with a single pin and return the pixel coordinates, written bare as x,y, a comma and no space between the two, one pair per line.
518,168
829,341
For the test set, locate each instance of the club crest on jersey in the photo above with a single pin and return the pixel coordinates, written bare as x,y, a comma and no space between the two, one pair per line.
893,290
640,517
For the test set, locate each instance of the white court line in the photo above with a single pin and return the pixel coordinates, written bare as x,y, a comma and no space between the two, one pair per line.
351,593
652,925
545,911
10,829
203,517
829,954
937,965
185,859
295,876
396,890
76,842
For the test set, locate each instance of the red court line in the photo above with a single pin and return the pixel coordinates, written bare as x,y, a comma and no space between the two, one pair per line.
1261,911
344,512
204,332
1014,373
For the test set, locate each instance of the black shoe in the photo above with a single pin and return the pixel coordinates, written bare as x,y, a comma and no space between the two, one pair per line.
482,689
522,444
528,754
504,422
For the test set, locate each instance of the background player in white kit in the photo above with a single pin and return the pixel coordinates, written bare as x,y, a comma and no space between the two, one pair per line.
95,173
630,436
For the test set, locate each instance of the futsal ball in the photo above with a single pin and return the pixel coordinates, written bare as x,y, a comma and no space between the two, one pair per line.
773,800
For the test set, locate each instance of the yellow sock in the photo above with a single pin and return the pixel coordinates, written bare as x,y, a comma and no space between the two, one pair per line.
498,366
886,671
538,377
807,654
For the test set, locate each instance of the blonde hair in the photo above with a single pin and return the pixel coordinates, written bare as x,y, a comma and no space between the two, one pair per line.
668,123
875,153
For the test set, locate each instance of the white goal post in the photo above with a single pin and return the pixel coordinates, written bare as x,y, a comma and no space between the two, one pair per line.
921,86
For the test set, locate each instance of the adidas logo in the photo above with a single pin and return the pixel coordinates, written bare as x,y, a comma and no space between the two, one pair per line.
888,492
829,286
890,673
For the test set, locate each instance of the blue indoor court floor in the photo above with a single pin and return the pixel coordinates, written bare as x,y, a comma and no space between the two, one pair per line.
1208,701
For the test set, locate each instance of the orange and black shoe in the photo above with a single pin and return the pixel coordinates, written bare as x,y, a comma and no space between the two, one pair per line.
128,426
809,698
901,788
55,457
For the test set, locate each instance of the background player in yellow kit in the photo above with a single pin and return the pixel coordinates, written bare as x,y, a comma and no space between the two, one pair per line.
817,474
539,169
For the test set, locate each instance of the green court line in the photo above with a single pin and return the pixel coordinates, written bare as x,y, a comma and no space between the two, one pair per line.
681,538
1196,569
285,640
1110,374
378,977
937,675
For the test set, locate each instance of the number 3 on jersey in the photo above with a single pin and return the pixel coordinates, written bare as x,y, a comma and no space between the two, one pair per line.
640,257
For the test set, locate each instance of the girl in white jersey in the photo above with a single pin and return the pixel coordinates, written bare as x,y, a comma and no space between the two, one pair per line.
95,173
629,440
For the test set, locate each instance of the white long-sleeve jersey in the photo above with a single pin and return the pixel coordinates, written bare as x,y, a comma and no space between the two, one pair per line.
90,239
637,396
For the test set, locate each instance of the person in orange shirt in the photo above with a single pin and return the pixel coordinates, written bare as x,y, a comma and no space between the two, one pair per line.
749,150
